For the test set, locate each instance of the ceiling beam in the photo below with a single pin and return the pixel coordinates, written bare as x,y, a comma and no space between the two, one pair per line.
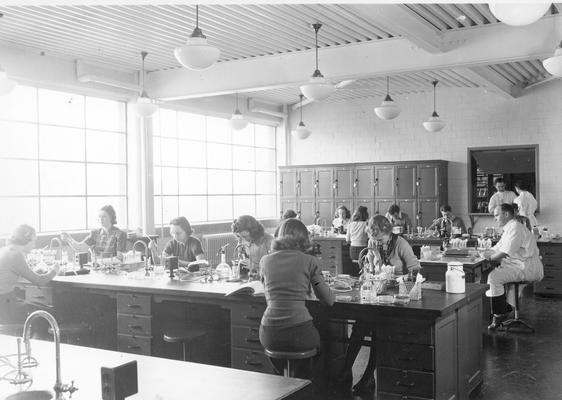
488,79
400,21
491,44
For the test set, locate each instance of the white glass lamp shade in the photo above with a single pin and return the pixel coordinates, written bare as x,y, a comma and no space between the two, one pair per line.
144,107
302,132
6,84
197,54
237,121
554,64
388,109
518,14
317,89
434,123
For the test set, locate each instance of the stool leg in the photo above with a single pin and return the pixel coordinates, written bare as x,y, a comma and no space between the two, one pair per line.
288,369
516,302
184,351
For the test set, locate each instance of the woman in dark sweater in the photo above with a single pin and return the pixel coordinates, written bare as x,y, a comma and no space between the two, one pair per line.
288,275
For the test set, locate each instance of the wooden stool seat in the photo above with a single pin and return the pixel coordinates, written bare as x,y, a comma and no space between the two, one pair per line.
288,356
184,335
516,321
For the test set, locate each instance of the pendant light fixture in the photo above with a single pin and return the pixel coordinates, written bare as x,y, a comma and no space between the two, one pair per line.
388,109
554,64
301,132
237,121
6,84
317,89
197,54
144,106
434,124
518,14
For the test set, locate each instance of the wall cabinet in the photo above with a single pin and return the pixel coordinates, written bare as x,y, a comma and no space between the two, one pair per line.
315,191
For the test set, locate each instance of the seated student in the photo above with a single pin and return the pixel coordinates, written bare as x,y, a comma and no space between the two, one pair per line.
286,215
13,266
448,223
183,245
398,218
357,235
288,276
251,234
342,219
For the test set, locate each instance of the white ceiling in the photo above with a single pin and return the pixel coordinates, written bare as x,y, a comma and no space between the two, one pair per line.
255,35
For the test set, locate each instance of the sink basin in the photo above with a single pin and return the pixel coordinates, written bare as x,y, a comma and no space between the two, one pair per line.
31,395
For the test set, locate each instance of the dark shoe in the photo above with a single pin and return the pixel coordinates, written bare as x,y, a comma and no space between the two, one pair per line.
498,320
365,385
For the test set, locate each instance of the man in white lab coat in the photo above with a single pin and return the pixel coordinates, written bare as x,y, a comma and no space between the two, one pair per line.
501,196
518,256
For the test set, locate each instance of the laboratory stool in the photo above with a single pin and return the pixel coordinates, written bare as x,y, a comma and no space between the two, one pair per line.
516,321
289,356
73,332
184,335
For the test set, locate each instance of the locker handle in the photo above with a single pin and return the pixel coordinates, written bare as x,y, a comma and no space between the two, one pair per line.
335,184
316,184
355,183
376,182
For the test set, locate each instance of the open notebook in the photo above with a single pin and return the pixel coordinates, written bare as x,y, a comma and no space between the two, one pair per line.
254,288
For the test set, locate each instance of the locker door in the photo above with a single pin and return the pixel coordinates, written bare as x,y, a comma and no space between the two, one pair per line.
409,207
364,182
384,181
325,212
288,183
406,182
324,180
428,210
306,183
343,181
381,205
428,181
306,211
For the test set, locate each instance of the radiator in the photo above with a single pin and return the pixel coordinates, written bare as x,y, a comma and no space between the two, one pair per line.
213,243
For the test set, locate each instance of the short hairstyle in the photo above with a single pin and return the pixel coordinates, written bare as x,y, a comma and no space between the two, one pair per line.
445,207
293,235
521,185
380,222
498,180
250,224
393,209
183,223
289,214
347,213
360,214
22,235
111,212
508,208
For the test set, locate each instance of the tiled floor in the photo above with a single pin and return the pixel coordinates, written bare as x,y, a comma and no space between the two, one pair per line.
517,366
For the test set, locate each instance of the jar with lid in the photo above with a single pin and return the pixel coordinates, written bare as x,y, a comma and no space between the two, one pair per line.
455,278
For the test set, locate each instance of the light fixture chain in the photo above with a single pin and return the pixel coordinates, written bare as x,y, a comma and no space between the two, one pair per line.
387,86
434,96
301,96
316,28
196,16
143,56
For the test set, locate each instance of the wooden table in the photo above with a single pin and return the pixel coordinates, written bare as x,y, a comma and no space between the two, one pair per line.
158,378
474,268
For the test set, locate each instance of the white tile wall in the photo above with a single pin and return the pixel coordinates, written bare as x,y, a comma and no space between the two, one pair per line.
346,132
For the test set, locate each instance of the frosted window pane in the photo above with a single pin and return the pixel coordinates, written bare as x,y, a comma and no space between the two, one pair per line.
156,151
170,205
63,213
59,178
243,158
192,181
156,179
16,211
244,182
244,205
266,183
192,154
220,208
169,181
157,211
220,182
104,179
96,203
265,136
58,143
19,105
18,177
194,208
168,123
18,140
219,155
155,121
104,114
265,159
266,207
218,130
245,136
60,108
169,152
106,146
191,126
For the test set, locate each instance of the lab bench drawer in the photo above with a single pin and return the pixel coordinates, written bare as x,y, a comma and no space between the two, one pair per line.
549,286
550,262
396,396
397,330
246,337
134,324
550,251
246,314
133,304
133,344
251,360
39,295
405,382
553,274
405,356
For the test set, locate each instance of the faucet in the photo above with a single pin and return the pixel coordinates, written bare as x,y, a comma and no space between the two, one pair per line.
146,264
59,243
59,386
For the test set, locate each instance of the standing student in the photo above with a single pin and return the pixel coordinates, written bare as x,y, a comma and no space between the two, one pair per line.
501,196
526,202
357,236
289,275
250,232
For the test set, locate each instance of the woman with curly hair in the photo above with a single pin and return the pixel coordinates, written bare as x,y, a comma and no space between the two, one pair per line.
250,233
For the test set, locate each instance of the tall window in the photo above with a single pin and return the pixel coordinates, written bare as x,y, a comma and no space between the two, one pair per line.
62,157
208,173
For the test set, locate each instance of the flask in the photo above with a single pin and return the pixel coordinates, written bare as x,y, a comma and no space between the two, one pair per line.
223,269
366,291
454,278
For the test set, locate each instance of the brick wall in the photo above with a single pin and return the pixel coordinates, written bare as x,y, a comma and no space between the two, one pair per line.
350,132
